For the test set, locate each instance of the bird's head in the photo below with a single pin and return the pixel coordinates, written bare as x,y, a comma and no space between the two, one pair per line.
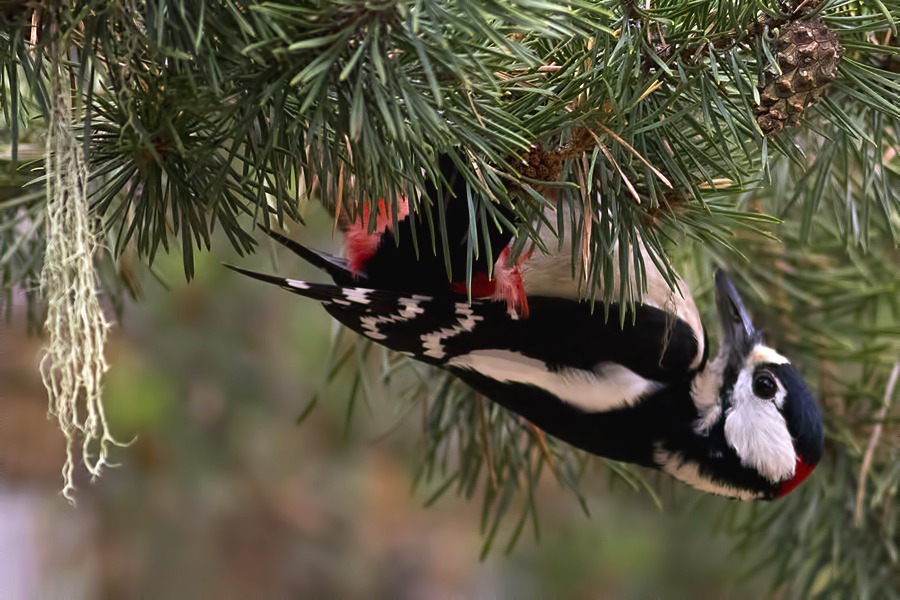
771,419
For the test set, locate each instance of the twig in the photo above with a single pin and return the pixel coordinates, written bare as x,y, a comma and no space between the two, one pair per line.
873,441
472,106
340,200
799,6
662,38
636,153
542,444
647,25
480,175
340,190
485,442
587,220
624,177
424,424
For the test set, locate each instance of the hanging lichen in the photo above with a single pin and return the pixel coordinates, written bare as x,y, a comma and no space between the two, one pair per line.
73,363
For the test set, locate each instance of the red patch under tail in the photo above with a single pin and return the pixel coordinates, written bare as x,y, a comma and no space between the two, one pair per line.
506,286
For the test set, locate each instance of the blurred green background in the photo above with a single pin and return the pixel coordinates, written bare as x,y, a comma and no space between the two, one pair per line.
222,493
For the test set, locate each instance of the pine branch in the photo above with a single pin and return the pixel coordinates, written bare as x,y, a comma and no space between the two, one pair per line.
642,120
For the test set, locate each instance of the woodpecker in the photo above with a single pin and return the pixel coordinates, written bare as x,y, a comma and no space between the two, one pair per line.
742,425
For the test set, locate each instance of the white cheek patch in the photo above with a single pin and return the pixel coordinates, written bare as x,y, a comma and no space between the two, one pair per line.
706,386
608,387
757,431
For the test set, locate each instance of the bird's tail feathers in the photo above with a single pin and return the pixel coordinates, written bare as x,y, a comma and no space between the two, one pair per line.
333,265
346,297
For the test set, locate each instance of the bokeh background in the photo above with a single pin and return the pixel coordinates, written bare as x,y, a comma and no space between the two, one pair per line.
222,494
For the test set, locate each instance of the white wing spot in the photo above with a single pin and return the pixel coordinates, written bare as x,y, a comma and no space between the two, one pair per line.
409,311
300,285
358,295
607,387
433,343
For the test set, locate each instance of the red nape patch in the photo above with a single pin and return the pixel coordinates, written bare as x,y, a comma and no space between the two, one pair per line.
359,244
801,472
506,286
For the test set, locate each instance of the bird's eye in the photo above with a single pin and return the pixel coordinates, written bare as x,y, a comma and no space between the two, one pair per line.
764,386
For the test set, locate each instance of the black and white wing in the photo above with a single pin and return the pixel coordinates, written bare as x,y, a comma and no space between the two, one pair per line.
564,348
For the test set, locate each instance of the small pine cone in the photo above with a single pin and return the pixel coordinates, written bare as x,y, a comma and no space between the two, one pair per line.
808,54
540,165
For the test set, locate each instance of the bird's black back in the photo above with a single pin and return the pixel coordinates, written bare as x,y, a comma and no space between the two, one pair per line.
406,260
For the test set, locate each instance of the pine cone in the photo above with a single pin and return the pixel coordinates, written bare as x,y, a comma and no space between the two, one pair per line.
808,54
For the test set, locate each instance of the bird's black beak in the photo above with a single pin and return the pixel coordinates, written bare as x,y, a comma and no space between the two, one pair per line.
738,333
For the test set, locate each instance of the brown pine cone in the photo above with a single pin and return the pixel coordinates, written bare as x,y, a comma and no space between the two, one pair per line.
808,54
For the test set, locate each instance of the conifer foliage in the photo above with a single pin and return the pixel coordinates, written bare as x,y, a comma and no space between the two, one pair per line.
762,135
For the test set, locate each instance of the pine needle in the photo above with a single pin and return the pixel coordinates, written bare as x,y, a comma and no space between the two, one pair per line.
880,416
